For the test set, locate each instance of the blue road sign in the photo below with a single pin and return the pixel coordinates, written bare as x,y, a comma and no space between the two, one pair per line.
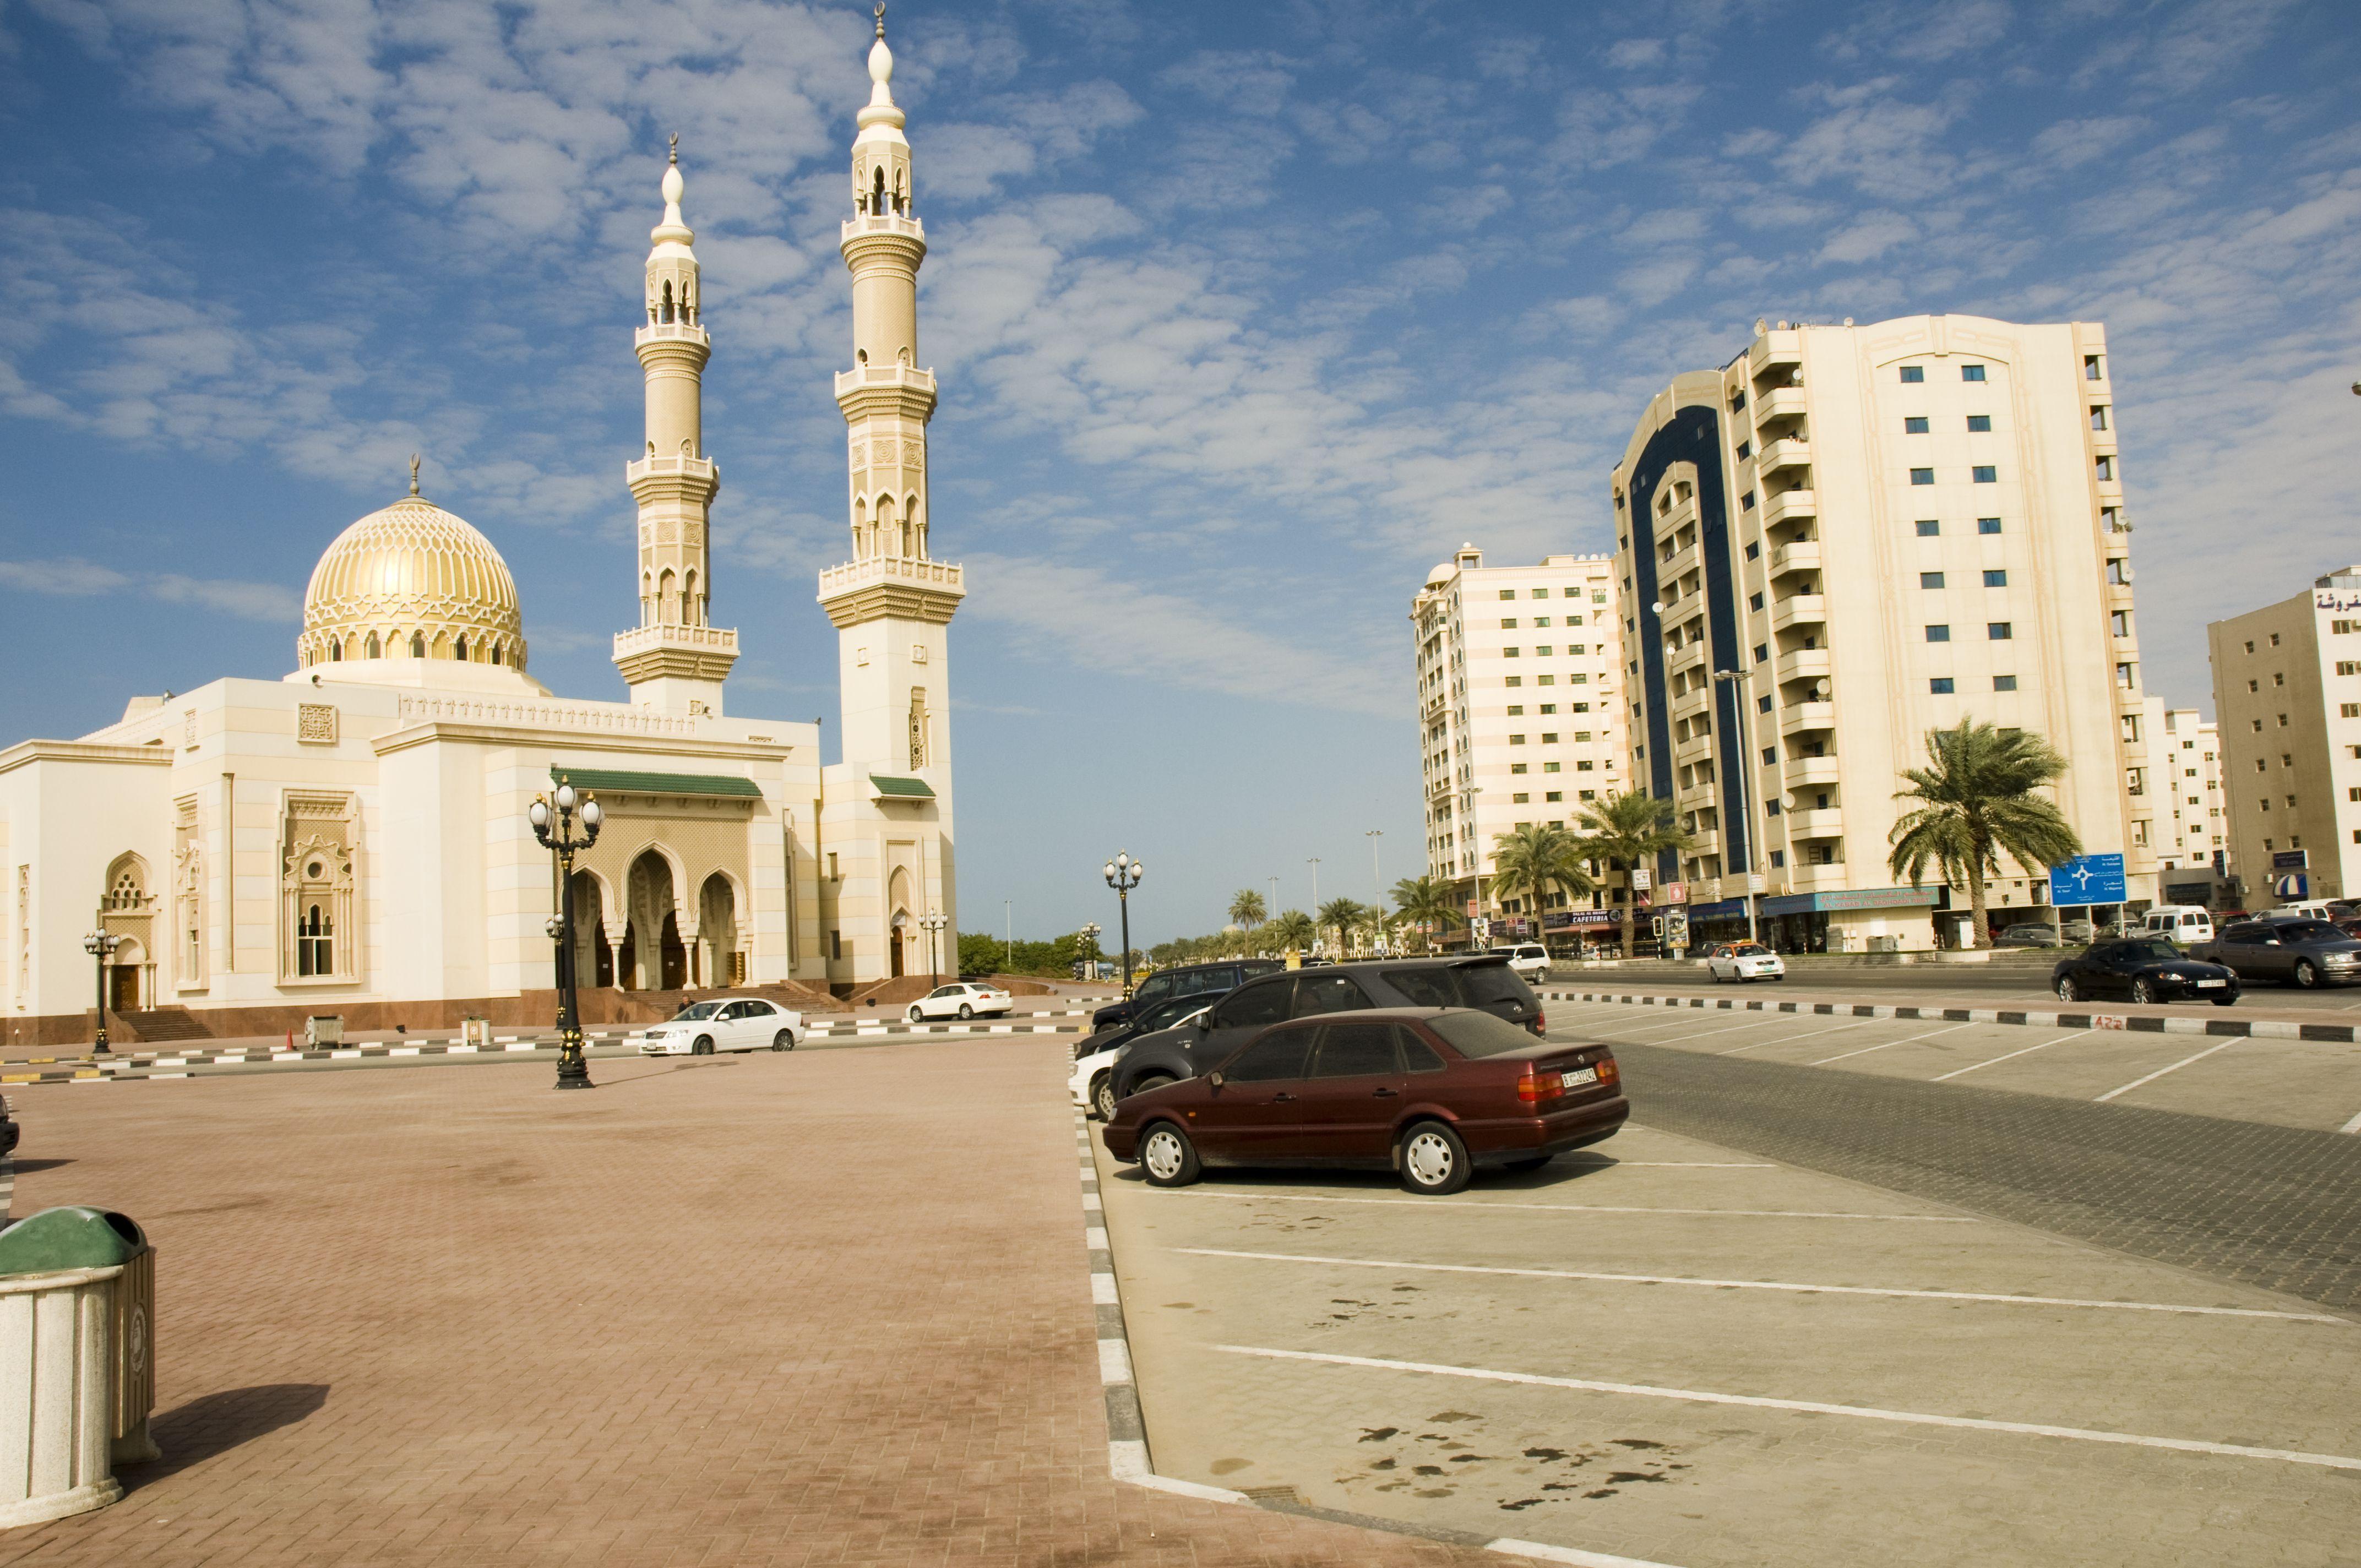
2086,880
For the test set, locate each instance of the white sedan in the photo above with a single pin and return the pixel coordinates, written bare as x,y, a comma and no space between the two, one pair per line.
1745,960
725,1023
962,999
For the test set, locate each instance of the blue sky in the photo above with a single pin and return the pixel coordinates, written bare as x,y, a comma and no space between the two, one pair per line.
1245,314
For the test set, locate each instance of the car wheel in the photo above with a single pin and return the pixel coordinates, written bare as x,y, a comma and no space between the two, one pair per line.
1153,1080
2229,1001
2306,973
966,1011
2143,992
1103,1096
784,1040
704,1047
1167,1157
1520,1166
2067,989
916,1017
1433,1161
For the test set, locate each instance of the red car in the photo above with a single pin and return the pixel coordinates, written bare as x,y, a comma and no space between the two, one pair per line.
1431,1092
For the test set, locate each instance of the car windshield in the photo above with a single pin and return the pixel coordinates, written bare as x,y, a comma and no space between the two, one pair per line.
2307,931
695,1011
1164,1015
2154,950
1478,1034
1748,950
1480,985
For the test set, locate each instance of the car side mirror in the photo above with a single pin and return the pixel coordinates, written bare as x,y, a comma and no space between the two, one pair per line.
1215,1079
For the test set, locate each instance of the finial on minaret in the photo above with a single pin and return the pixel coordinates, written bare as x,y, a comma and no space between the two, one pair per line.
675,147
881,19
413,472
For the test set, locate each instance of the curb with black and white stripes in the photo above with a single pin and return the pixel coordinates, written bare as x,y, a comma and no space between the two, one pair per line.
1128,1458
2234,1028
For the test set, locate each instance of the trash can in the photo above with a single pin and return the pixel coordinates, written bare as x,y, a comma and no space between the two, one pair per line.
325,1029
476,1031
77,1367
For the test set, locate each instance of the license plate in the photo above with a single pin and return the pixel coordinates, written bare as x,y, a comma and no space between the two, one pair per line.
1577,1077
2211,984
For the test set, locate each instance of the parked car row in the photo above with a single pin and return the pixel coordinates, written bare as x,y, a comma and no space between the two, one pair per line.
2308,953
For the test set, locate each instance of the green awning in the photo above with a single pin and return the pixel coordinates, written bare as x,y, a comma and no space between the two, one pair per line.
900,788
705,784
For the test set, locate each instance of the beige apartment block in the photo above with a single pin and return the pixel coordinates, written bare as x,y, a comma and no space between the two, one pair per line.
2287,698
1521,712
2186,759
1844,538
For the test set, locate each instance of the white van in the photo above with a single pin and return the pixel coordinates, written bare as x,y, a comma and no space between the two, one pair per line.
2184,923
2310,909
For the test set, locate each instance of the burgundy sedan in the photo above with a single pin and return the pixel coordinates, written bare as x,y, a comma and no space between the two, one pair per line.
1431,1092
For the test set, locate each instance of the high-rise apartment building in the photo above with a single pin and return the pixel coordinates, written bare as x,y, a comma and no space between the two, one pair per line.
1521,712
1843,539
2193,848
2286,700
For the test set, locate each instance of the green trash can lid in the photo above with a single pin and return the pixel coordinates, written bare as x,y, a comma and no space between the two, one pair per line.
73,1237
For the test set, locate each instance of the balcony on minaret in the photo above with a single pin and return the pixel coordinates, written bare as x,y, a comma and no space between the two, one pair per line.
891,585
885,222
672,465
886,389
672,332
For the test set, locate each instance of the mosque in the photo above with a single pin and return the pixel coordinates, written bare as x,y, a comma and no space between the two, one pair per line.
353,839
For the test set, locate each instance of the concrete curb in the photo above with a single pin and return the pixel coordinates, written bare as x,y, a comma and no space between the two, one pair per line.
2232,1028
1127,1456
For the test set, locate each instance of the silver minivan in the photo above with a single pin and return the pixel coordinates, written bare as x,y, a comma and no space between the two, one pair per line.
2184,923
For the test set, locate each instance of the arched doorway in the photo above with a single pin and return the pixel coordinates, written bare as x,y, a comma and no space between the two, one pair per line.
594,959
654,957
718,960
124,972
903,934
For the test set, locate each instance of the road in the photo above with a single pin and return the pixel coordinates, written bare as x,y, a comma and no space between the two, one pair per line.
1976,985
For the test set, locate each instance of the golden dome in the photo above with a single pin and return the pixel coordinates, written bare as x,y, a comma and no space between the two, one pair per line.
411,581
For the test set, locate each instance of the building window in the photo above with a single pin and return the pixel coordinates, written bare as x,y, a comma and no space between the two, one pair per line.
1550,767
1987,525
1779,857
1928,528
1519,798
1769,755
1754,549
2106,467
1980,424
1763,653
1985,474
2091,371
2348,667
2348,711
2119,622
1995,579
1914,425
2004,683
1553,796
1754,602
1745,450
2098,416
1538,593
1940,685
1938,634
1998,630
1516,740
1549,737
2127,676
2111,519
1913,374
1931,580
1747,501
1510,624
1922,476
1517,767
1516,710
1971,372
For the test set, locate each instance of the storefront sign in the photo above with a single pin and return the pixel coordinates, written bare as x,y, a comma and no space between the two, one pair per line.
1850,898
1728,906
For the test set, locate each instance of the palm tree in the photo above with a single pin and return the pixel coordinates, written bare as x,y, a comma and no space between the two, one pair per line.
1976,798
1340,915
1293,929
1426,902
1631,827
1247,908
1536,859
1373,923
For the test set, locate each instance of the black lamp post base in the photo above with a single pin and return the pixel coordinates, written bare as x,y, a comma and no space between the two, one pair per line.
573,1067
579,1079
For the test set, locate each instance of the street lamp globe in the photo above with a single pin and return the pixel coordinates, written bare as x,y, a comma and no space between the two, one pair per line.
564,795
538,813
555,927
592,815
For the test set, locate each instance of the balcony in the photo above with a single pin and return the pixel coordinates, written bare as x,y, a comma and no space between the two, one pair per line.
1696,749
1689,656
1778,403
1681,563
1698,797
884,222
1799,610
1704,841
915,581
1830,878
1790,506
1802,716
1803,771
1796,556
1779,353
1693,701
1787,452
1803,824
1803,663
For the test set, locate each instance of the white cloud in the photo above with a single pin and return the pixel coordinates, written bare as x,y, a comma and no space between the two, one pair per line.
75,578
1869,237
1630,53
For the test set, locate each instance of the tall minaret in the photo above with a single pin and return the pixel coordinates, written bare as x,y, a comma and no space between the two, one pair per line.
892,602
674,660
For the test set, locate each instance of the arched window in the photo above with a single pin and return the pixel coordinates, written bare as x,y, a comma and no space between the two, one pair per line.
668,607
665,311
315,942
417,645
460,652
495,653
688,601
373,650
877,192
336,653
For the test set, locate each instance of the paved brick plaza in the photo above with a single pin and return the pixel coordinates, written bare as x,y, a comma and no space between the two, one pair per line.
824,1308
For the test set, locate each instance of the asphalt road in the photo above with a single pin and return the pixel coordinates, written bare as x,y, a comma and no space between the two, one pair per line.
2008,981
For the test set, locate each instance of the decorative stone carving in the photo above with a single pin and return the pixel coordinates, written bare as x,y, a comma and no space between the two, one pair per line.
315,723
188,727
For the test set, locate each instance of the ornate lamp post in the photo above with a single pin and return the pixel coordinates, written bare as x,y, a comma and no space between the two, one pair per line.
100,945
1090,935
934,921
1123,875
567,829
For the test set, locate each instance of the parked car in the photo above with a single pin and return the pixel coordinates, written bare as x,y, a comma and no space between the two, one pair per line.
1484,981
1184,980
1093,1082
1530,959
725,1023
2186,924
962,999
2142,969
1431,1092
1745,960
2031,936
2304,952
9,1130
2309,909
2077,931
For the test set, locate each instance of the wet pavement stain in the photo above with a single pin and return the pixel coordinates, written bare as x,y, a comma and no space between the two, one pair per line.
1377,1435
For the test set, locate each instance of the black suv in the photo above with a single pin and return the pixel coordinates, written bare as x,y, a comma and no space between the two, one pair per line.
1184,980
1484,981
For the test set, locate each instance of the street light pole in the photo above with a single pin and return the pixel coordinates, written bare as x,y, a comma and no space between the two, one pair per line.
1376,877
1123,875
933,922
100,945
1090,935
557,830
1735,681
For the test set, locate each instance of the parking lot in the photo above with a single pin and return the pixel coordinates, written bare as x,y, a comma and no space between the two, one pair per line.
2008,981
2292,1083
1682,1353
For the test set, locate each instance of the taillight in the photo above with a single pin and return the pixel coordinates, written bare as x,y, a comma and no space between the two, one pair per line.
1534,1087
1540,1025
1607,1071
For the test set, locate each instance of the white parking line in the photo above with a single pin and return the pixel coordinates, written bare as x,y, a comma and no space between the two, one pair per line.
1809,1407
1690,1164
1866,1050
1773,1285
2159,1072
1790,1039
1754,1021
2351,1126
1582,1207
2011,1057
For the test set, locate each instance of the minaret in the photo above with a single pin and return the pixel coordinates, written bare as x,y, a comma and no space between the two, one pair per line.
892,602
674,660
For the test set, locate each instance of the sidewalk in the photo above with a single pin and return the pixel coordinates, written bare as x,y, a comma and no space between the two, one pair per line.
820,1308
